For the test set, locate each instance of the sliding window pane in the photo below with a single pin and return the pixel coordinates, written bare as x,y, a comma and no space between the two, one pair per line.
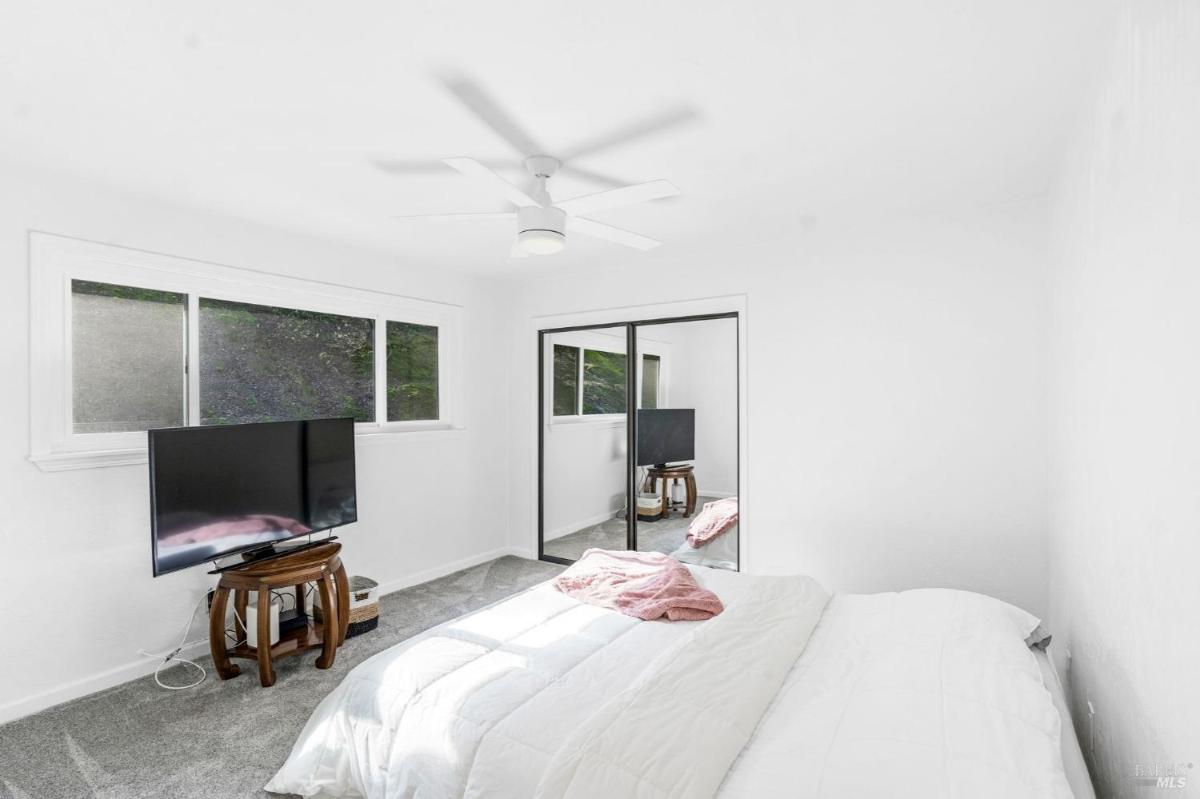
566,380
412,372
127,358
650,372
603,382
260,363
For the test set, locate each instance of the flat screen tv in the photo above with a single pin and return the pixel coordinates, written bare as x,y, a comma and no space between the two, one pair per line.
665,435
216,491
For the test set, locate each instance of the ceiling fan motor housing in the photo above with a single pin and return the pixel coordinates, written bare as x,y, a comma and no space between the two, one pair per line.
548,219
541,230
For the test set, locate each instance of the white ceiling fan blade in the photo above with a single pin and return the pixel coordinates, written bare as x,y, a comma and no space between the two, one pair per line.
430,166
483,105
590,227
480,173
634,130
626,195
592,176
455,217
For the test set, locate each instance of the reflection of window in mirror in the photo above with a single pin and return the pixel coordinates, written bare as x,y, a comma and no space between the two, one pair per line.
603,382
588,381
566,380
650,378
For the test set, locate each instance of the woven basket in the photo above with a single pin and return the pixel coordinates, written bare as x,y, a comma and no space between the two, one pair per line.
364,606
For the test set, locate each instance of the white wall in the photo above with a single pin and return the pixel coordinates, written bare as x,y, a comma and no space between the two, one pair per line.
77,598
896,395
585,475
1125,534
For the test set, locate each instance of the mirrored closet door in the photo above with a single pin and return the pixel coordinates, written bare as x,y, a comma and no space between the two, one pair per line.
656,433
585,448
687,441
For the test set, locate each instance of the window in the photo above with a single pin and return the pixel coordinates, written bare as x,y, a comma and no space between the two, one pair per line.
128,346
590,380
566,380
260,363
650,372
412,372
125,341
603,382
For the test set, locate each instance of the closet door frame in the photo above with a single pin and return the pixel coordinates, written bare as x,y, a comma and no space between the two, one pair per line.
631,403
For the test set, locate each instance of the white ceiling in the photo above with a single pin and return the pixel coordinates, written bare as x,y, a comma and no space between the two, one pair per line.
276,111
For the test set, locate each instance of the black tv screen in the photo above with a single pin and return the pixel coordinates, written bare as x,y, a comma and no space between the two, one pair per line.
215,491
666,435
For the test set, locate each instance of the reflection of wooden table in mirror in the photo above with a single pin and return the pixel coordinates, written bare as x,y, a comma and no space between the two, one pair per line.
668,474
320,565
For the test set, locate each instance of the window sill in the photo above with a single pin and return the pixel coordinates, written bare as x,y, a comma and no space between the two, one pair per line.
562,424
134,456
96,459
374,434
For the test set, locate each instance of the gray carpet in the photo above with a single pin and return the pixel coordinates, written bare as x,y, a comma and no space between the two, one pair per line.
220,740
664,535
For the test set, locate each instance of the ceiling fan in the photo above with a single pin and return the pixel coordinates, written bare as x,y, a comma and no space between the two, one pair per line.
541,222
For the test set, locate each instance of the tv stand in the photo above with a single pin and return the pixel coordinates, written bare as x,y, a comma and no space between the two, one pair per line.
668,474
269,552
317,563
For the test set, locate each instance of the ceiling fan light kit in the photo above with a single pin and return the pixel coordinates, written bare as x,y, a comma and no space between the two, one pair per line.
541,242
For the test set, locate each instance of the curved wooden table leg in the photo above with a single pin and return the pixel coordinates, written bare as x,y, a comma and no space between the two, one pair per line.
329,622
216,635
343,601
239,607
266,671
690,483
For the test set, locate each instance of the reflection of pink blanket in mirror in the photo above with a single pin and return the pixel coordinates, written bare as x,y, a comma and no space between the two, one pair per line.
245,525
714,519
645,585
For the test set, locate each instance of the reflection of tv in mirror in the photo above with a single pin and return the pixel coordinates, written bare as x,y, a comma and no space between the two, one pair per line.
219,490
666,435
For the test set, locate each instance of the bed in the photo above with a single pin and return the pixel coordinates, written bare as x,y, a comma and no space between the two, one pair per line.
720,553
787,693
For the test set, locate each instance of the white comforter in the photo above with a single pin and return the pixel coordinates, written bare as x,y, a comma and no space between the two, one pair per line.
927,693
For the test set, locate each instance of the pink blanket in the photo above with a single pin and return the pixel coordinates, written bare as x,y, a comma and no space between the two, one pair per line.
244,525
714,519
645,585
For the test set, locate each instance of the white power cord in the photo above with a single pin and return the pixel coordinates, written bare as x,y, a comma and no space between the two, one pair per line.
183,644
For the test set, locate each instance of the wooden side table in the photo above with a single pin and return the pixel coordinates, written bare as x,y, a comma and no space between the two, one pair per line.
320,565
668,474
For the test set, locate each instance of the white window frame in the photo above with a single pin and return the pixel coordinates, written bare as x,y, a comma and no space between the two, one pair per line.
605,342
57,260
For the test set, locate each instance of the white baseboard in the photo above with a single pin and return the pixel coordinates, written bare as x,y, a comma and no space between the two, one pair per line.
86,685
434,573
703,492
578,525
142,667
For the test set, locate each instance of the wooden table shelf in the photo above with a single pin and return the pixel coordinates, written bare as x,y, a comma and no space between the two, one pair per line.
320,565
292,642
